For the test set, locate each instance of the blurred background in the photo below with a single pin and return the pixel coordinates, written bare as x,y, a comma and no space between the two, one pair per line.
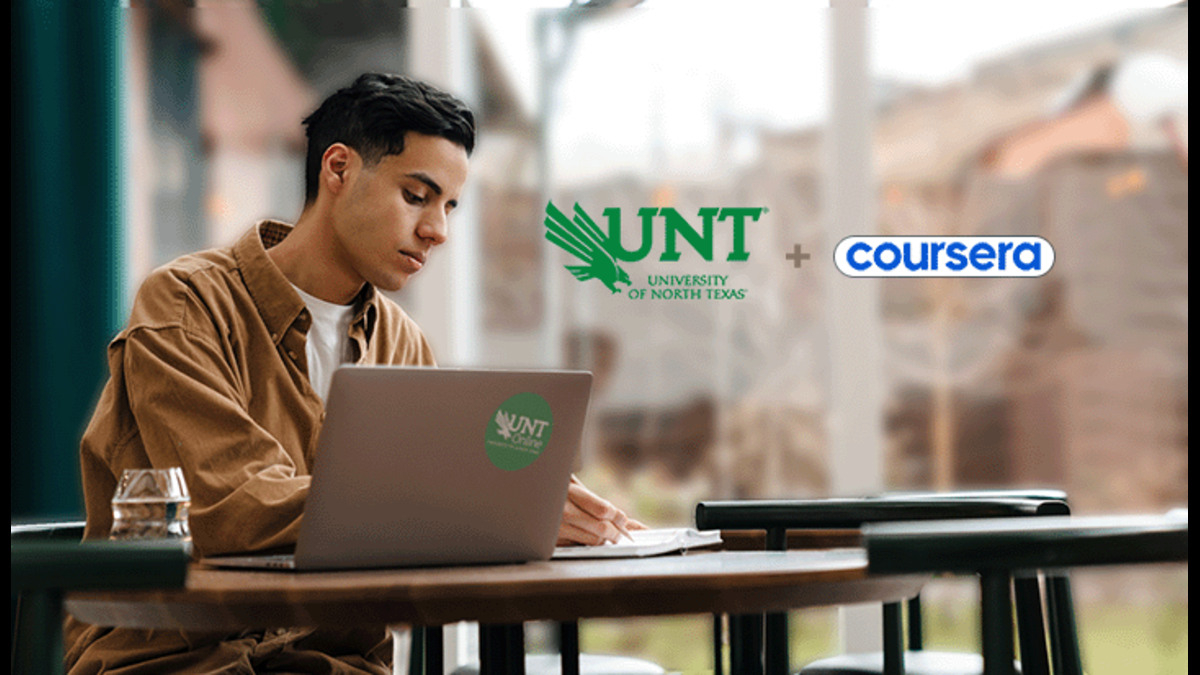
146,130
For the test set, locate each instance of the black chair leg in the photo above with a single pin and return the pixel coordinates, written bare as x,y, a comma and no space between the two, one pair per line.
746,644
893,639
416,650
433,651
916,640
1031,629
776,644
718,640
1065,635
502,649
516,649
38,639
425,653
568,646
775,638
996,623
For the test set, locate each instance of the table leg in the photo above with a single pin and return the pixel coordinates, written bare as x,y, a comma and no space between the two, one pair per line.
746,644
1065,635
718,640
893,639
996,623
516,649
491,649
416,650
776,644
1031,629
916,640
39,638
775,639
502,649
568,646
433,651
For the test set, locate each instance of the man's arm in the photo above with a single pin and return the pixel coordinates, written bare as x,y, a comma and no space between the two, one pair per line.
247,489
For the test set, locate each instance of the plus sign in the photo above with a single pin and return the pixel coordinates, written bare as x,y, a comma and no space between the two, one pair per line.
797,256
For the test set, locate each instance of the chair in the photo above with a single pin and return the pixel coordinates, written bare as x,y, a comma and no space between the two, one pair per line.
757,643
999,551
502,647
48,559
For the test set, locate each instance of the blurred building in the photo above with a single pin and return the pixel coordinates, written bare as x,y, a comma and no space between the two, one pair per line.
995,378
215,139
1095,373
217,93
1115,393
253,99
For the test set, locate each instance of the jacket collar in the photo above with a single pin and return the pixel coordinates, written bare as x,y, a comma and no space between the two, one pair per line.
278,303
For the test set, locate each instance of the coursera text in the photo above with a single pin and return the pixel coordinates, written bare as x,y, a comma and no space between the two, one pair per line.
1000,256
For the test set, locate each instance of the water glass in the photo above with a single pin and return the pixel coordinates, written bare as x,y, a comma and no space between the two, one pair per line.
151,504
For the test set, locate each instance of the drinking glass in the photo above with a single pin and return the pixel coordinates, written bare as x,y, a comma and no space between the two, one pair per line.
151,504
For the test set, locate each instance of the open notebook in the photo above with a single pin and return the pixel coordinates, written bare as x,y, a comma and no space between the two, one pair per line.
645,543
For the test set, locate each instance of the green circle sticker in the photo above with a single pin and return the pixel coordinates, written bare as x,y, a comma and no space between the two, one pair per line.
519,431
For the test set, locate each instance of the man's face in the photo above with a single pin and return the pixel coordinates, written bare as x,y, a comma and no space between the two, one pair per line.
393,213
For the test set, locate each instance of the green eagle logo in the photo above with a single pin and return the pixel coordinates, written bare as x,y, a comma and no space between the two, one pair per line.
583,239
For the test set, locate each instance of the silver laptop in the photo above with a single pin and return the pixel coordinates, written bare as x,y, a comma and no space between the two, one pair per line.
435,466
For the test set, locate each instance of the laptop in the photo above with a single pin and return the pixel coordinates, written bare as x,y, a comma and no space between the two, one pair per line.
435,466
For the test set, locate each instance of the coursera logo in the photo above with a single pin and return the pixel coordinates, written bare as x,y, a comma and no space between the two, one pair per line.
944,256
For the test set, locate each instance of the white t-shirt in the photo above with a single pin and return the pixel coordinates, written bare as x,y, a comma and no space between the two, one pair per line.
328,340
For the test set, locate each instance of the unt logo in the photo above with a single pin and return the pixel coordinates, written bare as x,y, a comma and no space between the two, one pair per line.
508,424
519,431
582,237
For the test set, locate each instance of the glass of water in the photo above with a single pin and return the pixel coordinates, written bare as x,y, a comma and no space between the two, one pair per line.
151,504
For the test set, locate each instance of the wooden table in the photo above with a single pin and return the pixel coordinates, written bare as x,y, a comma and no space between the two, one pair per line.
700,582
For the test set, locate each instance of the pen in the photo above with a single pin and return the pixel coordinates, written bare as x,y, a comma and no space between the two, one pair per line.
623,530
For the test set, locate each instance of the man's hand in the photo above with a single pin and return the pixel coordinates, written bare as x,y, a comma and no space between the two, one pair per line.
590,519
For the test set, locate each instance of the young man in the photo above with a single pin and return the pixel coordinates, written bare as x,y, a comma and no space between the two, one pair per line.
228,355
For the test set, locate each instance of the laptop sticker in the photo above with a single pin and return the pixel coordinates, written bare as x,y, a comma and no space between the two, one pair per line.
518,431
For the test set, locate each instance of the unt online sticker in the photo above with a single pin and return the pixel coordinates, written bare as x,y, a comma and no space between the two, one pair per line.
519,431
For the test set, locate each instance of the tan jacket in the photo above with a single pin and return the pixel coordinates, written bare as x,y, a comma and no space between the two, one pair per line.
210,375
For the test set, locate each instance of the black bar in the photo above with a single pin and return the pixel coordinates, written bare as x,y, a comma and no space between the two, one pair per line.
893,639
38,636
515,636
502,649
776,539
1065,637
996,623
1056,661
1054,542
718,642
433,651
568,646
416,650
916,640
746,644
852,513
776,644
492,648
1031,629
